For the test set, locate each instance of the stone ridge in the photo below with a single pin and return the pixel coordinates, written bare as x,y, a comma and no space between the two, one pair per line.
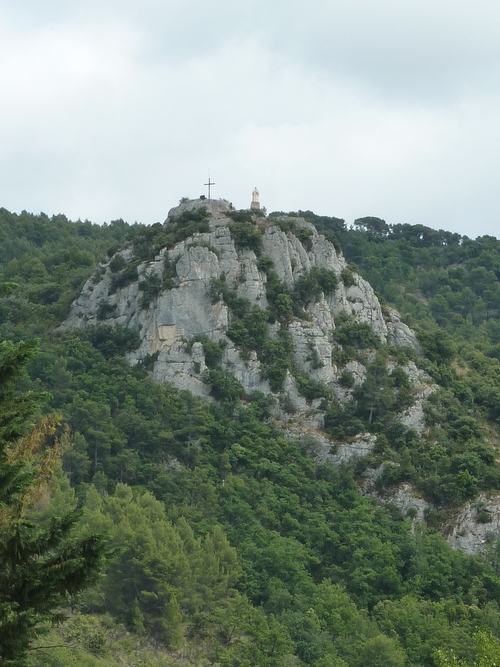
177,314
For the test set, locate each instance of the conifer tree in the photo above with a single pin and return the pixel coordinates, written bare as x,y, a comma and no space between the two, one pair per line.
39,567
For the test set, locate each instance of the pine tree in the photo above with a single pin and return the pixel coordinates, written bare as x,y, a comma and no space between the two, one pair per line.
39,567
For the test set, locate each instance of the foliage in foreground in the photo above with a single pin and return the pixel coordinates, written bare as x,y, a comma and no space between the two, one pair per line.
40,566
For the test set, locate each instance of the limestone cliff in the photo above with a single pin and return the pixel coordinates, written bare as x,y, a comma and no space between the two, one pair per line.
183,307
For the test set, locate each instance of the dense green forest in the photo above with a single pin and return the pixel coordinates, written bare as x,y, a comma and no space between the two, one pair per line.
230,545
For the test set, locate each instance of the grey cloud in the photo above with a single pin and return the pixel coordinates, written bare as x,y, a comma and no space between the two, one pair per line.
426,48
118,108
409,49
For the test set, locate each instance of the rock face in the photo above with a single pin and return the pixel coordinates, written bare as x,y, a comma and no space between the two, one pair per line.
361,445
183,308
476,522
325,449
404,497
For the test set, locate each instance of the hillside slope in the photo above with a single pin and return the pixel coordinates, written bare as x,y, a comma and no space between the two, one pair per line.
237,545
229,301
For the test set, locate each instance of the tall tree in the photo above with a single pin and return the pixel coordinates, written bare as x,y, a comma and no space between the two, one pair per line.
39,567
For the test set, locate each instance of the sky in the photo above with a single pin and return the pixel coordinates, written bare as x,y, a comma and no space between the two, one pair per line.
118,108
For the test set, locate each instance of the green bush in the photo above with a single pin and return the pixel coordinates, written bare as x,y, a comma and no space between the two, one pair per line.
265,264
312,284
218,289
212,351
240,216
305,237
151,286
148,241
109,340
279,298
350,332
286,225
246,236
127,276
117,264
346,379
438,345
225,387
343,355
169,273
275,356
311,389
249,331
105,310
341,422
483,516
149,360
347,277
313,357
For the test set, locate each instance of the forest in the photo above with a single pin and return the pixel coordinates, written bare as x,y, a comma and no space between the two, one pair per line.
168,531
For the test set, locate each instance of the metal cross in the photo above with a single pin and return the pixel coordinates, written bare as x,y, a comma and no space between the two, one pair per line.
209,186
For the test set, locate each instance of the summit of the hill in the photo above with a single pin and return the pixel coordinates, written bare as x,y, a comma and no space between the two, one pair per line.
217,209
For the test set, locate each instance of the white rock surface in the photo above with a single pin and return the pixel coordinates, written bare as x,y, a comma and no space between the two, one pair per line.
336,453
400,334
414,416
362,445
466,532
407,500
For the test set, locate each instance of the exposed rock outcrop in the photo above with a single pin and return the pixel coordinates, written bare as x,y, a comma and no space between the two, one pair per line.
326,449
404,496
185,308
476,522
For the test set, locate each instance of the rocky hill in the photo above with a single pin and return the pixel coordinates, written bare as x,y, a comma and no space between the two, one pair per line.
186,307
233,302
234,543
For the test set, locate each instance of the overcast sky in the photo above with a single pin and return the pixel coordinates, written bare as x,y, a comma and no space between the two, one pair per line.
118,108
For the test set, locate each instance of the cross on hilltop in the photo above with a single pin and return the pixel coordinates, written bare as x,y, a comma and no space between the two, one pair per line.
209,186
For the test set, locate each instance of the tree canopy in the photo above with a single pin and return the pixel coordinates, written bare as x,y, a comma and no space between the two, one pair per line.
39,567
